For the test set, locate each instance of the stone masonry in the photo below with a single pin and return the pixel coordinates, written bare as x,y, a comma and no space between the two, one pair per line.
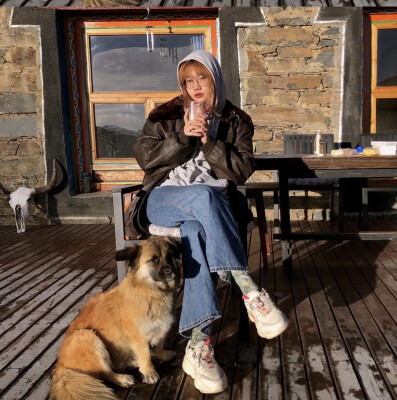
290,72
21,135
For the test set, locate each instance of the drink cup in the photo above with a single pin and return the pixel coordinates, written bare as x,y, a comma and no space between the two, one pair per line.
195,108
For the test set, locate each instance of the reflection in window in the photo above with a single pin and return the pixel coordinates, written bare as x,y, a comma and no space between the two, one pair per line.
123,62
387,57
386,115
117,126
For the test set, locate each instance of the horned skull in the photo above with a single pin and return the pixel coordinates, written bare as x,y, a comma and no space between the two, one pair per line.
19,199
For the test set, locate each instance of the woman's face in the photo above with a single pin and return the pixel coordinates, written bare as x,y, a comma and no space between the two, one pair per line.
199,87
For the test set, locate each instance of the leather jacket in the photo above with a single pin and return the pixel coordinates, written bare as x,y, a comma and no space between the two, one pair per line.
162,146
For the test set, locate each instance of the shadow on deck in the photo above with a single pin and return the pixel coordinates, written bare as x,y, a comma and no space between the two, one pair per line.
341,301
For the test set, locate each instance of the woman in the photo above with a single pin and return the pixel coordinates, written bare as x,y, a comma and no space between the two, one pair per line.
191,168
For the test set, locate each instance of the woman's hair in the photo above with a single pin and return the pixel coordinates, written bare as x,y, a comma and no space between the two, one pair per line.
186,69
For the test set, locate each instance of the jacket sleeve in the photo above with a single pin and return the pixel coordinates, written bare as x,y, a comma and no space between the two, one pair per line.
162,146
232,161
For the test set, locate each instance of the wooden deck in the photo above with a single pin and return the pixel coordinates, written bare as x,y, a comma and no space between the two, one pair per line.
341,301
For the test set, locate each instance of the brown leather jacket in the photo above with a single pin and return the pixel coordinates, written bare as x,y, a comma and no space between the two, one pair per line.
162,146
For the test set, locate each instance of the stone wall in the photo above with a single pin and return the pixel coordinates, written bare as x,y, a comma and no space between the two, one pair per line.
21,119
290,74
290,71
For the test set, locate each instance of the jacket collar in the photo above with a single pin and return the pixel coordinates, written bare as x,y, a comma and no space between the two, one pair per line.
172,109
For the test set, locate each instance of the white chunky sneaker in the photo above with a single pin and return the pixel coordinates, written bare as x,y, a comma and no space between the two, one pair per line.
268,318
201,365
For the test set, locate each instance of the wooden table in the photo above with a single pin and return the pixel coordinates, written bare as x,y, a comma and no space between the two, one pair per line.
310,166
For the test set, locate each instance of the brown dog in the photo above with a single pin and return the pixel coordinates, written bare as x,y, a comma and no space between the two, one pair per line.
118,329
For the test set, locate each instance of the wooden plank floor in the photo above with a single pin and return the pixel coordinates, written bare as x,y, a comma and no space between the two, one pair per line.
341,301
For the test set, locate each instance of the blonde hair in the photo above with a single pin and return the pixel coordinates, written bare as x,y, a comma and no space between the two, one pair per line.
186,69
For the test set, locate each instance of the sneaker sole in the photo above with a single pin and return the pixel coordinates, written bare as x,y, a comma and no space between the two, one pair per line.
205,390
190,370
269,334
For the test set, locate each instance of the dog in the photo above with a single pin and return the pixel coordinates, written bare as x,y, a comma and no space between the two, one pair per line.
118,329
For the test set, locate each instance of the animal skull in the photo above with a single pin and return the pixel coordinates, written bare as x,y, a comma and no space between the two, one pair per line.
19,199
19,203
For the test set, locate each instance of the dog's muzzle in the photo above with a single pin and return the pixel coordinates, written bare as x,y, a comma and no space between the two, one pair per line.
169,272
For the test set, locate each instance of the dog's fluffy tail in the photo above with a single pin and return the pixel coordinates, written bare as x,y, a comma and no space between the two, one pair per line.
69,384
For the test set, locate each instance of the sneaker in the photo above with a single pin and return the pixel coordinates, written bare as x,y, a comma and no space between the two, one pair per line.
268,318
201,365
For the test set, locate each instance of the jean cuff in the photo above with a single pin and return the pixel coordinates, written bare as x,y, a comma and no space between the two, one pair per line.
186,331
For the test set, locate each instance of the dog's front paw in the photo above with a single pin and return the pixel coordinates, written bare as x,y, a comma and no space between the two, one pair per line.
151,377
125,380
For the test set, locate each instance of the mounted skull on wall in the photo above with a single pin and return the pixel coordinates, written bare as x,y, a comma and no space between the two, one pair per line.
19,199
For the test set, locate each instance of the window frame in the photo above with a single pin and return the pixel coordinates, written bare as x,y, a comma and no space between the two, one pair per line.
377,22
149,99
81,153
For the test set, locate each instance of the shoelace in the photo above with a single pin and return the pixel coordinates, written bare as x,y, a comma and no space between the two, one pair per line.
262,302
206,354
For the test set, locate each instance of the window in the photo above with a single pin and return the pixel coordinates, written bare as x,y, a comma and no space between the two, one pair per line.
383,75
125,69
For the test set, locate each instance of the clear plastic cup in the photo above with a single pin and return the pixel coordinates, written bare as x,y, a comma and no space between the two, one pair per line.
195,108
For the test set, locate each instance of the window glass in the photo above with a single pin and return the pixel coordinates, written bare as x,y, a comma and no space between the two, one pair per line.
386,115
387,57
145,62
117,127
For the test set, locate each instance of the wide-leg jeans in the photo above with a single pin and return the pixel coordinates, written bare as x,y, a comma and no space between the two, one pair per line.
210,243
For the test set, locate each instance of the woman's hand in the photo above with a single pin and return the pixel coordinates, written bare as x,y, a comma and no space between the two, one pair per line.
198,127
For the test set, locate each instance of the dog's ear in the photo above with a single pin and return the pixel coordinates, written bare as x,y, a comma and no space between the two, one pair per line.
129,253
175,245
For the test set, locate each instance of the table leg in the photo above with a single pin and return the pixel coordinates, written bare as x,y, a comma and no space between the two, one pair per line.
365,208
285,223
264,237
342,187
286,256
276,209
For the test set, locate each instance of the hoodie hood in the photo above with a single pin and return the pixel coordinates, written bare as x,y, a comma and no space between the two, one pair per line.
211,63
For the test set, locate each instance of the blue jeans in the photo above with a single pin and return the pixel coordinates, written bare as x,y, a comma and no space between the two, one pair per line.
210,243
